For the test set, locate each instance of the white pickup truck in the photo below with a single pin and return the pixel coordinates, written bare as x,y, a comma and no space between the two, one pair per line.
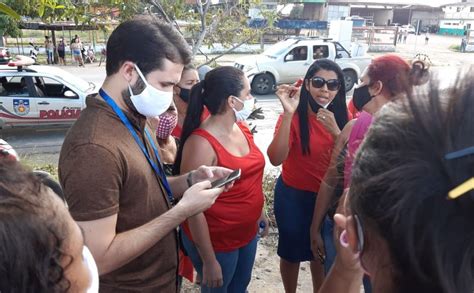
288,60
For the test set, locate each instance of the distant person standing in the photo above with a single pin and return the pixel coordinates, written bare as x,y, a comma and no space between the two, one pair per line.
76,47
48,45
62,51
405,36
463,45
427,38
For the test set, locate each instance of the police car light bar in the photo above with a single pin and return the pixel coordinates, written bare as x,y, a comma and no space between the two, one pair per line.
21,61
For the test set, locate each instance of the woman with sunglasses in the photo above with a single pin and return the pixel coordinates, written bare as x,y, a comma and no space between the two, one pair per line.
386,79
312,119
410,224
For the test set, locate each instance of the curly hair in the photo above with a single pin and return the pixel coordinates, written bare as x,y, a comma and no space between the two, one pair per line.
31,234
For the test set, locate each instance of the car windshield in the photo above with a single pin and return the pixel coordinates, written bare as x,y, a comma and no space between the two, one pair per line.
278,49
77,81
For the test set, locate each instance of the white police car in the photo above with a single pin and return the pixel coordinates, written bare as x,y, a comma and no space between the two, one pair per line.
40,95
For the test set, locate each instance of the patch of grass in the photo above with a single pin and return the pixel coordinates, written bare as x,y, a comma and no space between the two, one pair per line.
269,182
455,48
50,168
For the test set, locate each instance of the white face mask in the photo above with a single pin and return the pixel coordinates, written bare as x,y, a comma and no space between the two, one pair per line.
151,102
94,273
325,106
243,114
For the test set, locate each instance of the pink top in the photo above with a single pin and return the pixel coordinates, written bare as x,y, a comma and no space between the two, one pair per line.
355,139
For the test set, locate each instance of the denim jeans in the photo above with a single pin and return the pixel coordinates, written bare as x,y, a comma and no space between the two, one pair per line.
236,266
327,231
49,54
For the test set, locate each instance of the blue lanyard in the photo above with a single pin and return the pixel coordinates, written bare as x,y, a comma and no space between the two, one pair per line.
132,131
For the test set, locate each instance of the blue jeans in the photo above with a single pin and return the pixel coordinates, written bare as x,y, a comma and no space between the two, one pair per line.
49,54
236,266
327,231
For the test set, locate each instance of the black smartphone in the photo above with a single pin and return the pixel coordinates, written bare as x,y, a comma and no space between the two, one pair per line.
223,181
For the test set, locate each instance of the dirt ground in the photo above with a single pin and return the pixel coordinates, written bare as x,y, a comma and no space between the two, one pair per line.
266,273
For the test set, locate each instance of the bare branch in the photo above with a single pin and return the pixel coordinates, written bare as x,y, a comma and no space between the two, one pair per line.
203,32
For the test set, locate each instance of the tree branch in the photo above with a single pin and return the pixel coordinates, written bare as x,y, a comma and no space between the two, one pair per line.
202,34
174,22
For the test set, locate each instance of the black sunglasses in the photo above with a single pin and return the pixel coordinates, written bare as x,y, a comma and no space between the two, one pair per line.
333,84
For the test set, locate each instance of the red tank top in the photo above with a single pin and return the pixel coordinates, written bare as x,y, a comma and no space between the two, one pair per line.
232,220
305,172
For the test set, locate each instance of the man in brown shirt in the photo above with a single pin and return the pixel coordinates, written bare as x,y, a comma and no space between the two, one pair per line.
108,167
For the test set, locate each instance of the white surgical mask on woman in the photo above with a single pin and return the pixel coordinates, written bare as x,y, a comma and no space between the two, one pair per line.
245,112
93,271
151,102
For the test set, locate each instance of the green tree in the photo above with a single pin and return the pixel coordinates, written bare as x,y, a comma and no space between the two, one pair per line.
208,24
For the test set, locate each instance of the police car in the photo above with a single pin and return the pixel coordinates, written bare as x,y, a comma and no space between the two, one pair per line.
35,95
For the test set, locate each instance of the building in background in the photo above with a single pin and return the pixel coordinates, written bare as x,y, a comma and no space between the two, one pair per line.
375,12
458,18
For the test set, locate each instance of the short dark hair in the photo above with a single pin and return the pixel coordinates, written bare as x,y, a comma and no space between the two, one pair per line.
31,236
400,185
145,41
212,92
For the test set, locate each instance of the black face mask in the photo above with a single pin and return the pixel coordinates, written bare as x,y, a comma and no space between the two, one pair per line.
361,97
315,106
184,94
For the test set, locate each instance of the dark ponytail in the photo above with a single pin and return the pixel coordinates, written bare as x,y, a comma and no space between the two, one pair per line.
192,121
212,92
337,106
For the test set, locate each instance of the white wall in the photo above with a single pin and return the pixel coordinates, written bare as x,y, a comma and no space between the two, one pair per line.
457,11
426,17
336,12
382,16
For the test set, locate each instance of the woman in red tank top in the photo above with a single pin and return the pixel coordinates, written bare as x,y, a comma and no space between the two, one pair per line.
303,140
222,241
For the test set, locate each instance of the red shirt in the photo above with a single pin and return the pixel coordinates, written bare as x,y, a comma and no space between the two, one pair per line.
232,220
305,172
352,109
178,130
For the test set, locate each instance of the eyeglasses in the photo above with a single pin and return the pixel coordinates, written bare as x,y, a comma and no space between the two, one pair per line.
360,234
332,84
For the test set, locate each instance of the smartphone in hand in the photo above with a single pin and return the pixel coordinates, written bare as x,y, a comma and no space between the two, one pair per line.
225,180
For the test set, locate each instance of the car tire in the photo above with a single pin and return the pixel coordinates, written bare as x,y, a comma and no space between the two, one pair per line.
263,84
350,79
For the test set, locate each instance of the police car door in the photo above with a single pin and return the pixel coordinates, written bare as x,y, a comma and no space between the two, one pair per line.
17,101
56,102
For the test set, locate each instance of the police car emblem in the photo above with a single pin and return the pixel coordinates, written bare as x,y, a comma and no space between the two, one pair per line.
21,106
